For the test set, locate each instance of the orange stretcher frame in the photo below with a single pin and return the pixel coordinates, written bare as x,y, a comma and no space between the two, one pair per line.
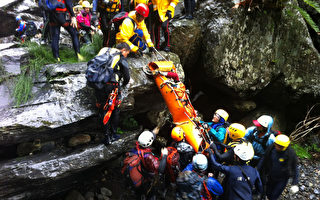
182,111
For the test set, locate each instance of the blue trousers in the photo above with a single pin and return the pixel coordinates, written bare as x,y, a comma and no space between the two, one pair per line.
275,188
137,39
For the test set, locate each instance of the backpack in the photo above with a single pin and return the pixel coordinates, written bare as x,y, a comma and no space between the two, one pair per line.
101,69
118,19
189,185
51,5
31,29
173,165
132,168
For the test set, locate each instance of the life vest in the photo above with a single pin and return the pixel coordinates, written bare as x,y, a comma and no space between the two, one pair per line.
173,164
113,6
61,9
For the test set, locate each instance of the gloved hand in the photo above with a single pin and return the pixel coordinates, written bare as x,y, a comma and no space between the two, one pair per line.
164,151
205,125
169,14
74,22
294,189
152,49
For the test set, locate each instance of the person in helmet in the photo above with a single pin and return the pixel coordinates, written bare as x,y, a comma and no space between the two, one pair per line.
240,178
133,30
164,13
106,10
217,128
199,164
261,136
278,164
150,164
84,22
236,133
21,28
121,73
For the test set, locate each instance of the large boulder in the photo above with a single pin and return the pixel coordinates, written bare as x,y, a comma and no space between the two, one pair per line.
245,51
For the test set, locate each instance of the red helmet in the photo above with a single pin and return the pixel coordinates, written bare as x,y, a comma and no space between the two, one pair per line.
142,9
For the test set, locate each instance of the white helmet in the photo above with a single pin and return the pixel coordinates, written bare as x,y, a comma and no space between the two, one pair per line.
264,120
244,151
145,139
200,162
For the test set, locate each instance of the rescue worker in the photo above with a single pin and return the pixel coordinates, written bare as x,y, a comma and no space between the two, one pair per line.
217,128
21,28
25,30
133,30
84,23
165,12
150,163
236,133
57,19
184,149
149,20
45,29
189,6
107,9
240,179
121,71
261,136
278,165
193,183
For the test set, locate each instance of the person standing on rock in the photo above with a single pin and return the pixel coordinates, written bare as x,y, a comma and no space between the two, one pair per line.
261,136
120,72
277,166
165,12
58,18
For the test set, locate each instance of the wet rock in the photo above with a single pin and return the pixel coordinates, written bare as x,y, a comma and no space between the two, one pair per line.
74,195
28,148
244,106
48,174
106,192
79,139
12,59
89,196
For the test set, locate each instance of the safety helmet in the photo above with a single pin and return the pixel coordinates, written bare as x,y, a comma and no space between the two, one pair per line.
282,140
236,131
142,9
214,186
145,139
200,162
18,18
244,151
86,4
177,133
223,114
263,120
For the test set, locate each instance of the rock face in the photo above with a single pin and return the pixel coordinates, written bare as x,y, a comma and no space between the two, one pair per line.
247,50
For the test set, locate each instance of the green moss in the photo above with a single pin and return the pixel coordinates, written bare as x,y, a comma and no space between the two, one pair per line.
305,151
129,123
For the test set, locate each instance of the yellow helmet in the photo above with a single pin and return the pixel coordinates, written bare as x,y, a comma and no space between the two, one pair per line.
177,134
283,141
236,131
86,4
223,114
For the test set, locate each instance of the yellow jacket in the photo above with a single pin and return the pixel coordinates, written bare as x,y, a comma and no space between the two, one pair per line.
126,31
163,5
114,8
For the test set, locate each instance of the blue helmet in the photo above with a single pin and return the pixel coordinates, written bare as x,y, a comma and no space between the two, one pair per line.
18,18
214,186
200,162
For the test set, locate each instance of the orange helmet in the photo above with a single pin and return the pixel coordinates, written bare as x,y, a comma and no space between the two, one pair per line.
142,9
177,134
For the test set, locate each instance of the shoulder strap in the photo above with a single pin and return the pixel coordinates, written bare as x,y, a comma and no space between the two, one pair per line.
246,177
133,22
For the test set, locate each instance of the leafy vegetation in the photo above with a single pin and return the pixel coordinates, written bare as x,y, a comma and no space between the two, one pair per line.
42,55
129,123
306,150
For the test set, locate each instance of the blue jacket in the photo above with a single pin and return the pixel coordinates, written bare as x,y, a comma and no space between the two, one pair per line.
259,144
219,132
236,186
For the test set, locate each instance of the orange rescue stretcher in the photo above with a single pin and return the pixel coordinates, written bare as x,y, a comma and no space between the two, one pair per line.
179,105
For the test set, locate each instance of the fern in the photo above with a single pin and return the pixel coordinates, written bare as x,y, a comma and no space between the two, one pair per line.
309,20
313,4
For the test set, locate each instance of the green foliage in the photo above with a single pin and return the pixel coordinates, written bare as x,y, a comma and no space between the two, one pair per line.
129,123
313,4
89,51
42,55
305,151
308,19
301,151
